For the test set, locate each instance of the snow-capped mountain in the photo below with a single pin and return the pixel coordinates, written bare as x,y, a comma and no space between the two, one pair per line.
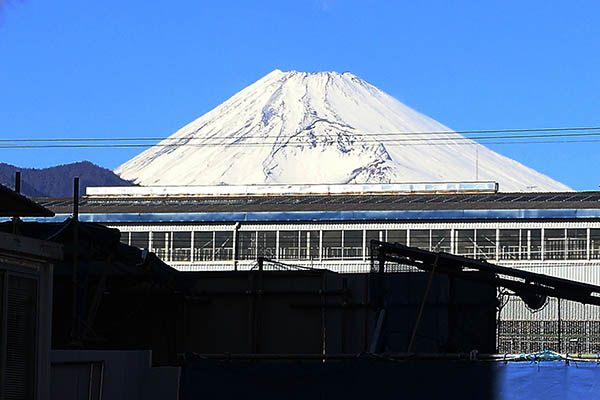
325,127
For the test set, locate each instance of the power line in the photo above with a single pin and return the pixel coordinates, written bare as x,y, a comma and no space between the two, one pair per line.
424,143
464,132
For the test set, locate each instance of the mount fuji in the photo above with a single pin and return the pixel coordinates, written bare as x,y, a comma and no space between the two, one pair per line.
322,128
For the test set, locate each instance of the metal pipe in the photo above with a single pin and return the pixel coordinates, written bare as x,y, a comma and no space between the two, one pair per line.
75,281
18,182
559,327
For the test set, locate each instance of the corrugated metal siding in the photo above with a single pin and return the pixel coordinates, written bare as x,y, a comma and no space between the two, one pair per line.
20,338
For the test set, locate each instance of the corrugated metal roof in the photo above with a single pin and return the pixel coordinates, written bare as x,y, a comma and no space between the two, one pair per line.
318,203
13,204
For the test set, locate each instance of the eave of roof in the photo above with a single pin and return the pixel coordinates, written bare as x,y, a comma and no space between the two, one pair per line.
13,204
360,215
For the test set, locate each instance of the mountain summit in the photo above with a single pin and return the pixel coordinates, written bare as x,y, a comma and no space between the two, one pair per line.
324,127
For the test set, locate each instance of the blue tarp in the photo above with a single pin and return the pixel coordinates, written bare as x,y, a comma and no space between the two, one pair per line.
548,380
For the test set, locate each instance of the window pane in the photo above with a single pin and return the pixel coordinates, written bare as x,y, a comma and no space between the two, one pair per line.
595,243
247,243
203,246
486,244
440,240
289,248
464,242
140,239
309,245
419,238
160,245
396,236
353,244
373,235
267,242
223,245
125,237
531,244
554,244
509,244
576,244
332,244
182,246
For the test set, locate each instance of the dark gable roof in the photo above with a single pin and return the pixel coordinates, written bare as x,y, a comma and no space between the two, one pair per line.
13,204
174,204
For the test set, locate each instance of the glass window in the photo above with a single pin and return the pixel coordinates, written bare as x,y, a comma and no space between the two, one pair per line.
289,246
182,246
309,245
509,244
267,243
419,238
396,236
595,244
203,246
554,244
223,245
140,239
531,244
353,244
440,240
577,244
160,245
373,235
247,245
464,242
332,244
486,244
125,237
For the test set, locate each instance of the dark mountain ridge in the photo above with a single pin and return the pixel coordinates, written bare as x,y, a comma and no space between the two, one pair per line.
57,181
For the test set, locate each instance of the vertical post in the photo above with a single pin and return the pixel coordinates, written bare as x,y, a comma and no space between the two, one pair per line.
565,244
15,219
236,239
559,327
529,244
451,345
75,282
364,245
497,244
320,245
192,244
587,248
18,182
543,239
258,306
277,244
324,314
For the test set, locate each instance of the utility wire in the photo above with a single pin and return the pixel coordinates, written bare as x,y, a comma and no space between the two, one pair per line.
470,143
465,132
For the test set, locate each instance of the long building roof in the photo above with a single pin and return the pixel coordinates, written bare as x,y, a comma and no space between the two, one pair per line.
333,207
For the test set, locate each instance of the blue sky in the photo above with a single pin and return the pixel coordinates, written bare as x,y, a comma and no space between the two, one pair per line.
145,68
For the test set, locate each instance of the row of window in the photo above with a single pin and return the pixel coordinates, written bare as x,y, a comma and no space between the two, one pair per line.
494,244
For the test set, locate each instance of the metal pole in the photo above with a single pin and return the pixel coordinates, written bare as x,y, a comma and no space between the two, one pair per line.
15,218
75,283
18,181
416,327
559,343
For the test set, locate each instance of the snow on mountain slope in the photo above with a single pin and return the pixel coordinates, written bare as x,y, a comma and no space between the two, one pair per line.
325,127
